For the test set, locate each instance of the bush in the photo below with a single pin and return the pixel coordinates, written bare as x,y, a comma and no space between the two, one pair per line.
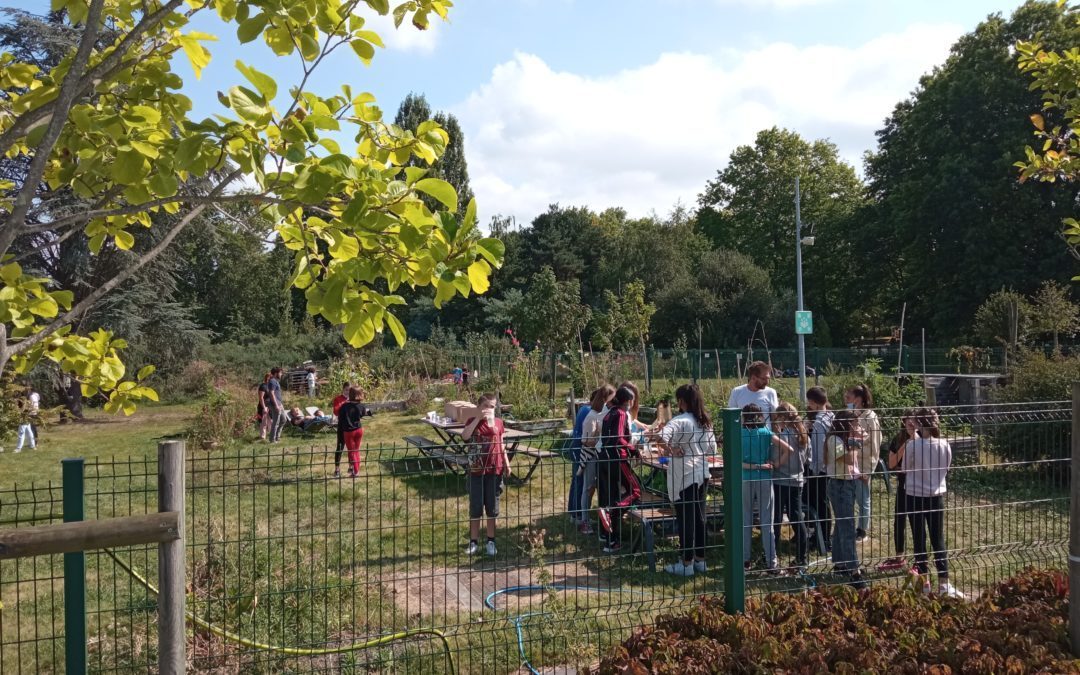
889,393
1018,627
226,415
416,401
1036,377
192,382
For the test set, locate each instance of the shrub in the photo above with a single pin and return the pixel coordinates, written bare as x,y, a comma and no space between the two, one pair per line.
193,381
889,393
416,401
226,415
1036,377
1018,627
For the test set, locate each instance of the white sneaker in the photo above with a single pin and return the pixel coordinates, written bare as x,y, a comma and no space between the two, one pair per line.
699,566
679,569
18,449
472,548
950,591
491,550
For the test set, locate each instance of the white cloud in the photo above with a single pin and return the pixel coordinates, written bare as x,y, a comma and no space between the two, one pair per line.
646,138
407,38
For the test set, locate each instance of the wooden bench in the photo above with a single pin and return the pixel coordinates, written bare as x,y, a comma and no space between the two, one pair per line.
454,461
656,510
537,454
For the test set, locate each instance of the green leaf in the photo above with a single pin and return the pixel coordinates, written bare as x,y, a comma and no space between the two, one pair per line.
124,240
164,184
440,190
198,55
396,328
470,214
249,105
129,167
360,330
354,212
364,49
146,371
263,82
249,29
279,40
145,113
145,149
479,277
10,273
492,249
344,247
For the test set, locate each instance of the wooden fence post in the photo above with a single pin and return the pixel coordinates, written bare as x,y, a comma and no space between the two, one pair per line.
1074,526
172,639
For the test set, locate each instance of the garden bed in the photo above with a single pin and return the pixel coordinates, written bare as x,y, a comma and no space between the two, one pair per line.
1019,626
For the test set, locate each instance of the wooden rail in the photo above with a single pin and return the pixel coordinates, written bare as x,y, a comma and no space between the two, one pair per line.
89,535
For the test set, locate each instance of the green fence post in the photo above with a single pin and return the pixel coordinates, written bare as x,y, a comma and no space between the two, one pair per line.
554,373
734,574
650,358
74,574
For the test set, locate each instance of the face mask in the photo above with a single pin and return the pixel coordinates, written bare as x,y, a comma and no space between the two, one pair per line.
850,406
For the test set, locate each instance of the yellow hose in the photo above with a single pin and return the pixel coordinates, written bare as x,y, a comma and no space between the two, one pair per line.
293,651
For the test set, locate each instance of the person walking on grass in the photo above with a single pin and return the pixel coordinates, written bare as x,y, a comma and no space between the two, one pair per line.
619,486
859,399
842,448
903,512
926,461
588,464
335,406
26,431
350,424
309,380
487,464
816,495
275,404
262,407
689,441
756,391
758,442
788,478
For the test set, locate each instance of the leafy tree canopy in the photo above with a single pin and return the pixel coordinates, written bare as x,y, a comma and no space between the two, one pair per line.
107,147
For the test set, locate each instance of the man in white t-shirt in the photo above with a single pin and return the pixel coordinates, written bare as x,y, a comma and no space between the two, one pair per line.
756,391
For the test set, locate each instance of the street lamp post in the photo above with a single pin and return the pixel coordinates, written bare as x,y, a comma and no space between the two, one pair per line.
798,285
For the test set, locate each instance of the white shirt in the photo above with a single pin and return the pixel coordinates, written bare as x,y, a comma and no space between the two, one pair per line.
697,444
926,463
35,401
764,398
590,431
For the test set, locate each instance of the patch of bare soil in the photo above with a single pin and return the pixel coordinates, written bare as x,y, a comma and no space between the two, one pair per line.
452,591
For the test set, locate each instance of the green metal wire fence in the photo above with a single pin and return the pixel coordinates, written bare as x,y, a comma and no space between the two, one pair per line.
294,570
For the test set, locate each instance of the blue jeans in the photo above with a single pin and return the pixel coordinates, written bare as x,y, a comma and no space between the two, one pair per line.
842,499
862,501
573,500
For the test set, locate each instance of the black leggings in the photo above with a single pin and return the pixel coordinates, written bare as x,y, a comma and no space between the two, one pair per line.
929,511
340,447
690,519
788,499
615,476
817,498
903,515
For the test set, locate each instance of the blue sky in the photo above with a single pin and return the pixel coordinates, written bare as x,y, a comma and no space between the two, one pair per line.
635,103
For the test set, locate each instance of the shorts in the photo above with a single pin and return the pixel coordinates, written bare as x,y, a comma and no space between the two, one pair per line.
482,495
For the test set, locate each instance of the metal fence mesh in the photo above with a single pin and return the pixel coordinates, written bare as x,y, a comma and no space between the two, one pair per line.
293,570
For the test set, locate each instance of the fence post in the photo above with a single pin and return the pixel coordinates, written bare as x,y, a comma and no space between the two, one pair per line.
74,573
554,373
734,574
1074,526
650,357
172,640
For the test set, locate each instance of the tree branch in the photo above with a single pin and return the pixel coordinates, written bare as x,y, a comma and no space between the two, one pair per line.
62,106
49,244
102,71
86,303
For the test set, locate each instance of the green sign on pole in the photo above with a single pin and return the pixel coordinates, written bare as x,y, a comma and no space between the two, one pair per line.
804,323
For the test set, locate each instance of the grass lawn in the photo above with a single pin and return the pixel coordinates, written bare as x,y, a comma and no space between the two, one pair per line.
280,552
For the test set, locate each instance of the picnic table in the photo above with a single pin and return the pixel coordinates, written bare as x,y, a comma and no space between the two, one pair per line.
454,450
656,509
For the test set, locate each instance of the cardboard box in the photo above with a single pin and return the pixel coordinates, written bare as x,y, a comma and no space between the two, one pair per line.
460,411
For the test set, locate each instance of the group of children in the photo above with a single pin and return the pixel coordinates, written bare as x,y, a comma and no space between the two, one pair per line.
817,473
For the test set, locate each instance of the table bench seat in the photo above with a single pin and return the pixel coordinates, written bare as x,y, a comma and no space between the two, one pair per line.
454,461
